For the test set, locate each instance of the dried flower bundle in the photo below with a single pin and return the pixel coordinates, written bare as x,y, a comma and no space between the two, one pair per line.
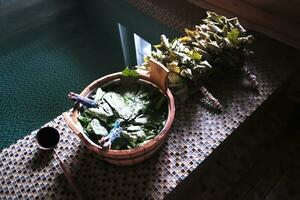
218,45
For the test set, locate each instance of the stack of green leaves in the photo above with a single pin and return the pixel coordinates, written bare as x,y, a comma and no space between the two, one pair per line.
141,109
216,45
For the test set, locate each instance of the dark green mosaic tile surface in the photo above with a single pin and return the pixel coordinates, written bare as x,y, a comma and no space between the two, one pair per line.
39,68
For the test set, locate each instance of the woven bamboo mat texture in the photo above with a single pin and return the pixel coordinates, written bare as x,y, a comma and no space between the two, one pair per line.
27,173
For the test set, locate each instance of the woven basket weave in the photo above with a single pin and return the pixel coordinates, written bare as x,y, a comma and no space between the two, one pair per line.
158,78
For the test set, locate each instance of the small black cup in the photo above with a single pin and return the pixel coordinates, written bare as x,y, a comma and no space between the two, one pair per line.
47,138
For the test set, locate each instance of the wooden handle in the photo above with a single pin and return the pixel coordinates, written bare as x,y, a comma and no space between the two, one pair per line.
70,178
159,74
71,119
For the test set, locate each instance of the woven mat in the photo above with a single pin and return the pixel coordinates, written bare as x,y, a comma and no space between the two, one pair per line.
27,173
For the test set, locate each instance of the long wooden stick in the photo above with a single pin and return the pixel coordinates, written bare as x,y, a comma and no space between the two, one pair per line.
70,178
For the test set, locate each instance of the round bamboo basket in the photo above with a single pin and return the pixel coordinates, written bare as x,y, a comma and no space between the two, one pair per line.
158,78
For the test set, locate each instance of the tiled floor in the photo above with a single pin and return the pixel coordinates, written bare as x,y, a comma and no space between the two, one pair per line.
259,161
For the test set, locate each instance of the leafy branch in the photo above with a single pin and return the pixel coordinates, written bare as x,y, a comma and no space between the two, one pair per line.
218,45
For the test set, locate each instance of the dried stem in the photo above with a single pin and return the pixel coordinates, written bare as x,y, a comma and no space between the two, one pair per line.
215,102
250,77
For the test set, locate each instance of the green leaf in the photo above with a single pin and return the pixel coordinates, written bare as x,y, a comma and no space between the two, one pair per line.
97,128
195,55
130,72
84,120
233,36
